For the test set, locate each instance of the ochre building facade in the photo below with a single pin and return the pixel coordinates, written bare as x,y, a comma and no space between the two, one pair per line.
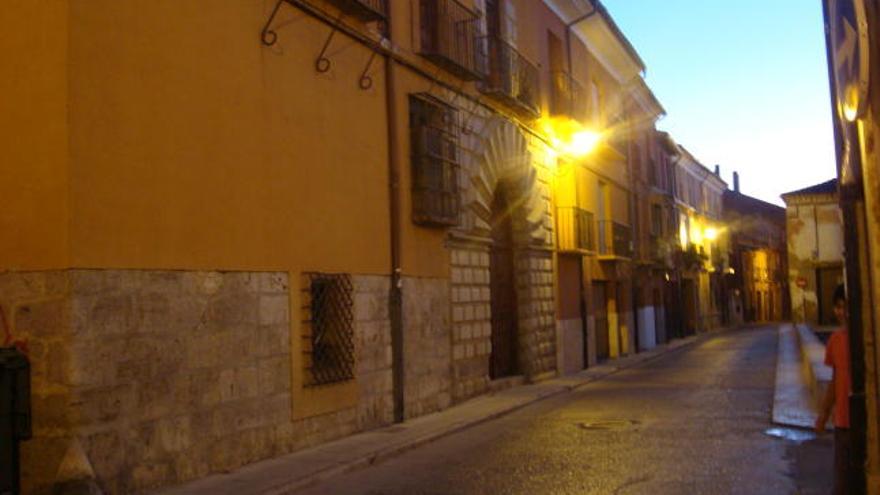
241,229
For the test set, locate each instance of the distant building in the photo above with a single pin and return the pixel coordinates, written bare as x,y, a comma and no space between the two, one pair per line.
815,251
756,284
698,257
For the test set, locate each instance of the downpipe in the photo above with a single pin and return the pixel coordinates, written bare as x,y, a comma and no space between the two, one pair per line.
395,295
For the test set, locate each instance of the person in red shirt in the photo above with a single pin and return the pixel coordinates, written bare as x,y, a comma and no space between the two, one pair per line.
837,394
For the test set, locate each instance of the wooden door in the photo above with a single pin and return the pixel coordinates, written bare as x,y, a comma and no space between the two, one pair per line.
571,310
503,359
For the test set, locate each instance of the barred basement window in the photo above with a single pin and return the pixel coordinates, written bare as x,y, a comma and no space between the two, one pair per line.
434,144
328,328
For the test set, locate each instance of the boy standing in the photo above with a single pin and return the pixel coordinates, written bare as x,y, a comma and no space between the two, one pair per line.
837,394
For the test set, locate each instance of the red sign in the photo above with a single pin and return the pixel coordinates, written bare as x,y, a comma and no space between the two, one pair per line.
801,282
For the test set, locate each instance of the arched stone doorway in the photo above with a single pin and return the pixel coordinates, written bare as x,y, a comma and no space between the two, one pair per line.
502,279
504,357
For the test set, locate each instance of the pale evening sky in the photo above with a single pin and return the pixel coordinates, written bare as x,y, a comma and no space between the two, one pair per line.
744,84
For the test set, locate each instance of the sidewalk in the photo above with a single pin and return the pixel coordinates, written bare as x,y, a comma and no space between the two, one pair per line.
289,473
801,378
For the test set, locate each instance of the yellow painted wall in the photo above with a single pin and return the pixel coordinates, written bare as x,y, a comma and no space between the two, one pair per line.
194,146
620,205
33,135
423,251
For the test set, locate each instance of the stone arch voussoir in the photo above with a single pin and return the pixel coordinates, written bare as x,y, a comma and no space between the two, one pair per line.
505,158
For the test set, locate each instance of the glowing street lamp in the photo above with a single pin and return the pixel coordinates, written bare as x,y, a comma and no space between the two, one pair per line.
571,138
710,233
583,143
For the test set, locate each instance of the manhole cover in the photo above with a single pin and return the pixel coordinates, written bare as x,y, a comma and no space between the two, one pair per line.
608,424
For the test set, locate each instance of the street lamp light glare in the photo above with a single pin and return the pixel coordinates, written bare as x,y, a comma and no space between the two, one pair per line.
711,234
583,142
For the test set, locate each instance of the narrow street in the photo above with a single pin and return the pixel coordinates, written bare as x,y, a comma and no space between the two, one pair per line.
691,421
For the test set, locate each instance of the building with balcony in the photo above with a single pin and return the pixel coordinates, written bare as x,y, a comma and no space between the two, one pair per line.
755,285
651,206
700,257
592,66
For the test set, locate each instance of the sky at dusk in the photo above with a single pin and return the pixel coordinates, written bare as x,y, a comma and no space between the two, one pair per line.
744,84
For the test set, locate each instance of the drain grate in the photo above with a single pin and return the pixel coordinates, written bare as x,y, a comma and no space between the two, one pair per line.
608,424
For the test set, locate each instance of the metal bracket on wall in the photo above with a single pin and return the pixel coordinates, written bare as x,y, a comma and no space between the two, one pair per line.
366,82
268,36
322,63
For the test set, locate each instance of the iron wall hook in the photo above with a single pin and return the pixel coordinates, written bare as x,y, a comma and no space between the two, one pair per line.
322,63
366,82
268,36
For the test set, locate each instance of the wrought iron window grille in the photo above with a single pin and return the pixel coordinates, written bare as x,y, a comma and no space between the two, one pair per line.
511,78
435,161
450,36
328,328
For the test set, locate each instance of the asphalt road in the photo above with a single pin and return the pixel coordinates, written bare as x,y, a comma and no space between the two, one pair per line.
691,422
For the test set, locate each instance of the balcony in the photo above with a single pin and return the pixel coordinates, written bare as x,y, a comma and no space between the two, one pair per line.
365,10
615,239
450,38
574,229
567,97
511,78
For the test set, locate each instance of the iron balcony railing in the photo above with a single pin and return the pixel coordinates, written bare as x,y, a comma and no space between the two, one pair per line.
511,78
450,37
615,239
567,96
574,229
365,10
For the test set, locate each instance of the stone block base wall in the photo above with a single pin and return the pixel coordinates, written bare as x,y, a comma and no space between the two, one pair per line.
537,313
472,317
167,376
427,354
471,321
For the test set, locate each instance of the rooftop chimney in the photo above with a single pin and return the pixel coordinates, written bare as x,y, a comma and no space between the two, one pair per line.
735,182
718,170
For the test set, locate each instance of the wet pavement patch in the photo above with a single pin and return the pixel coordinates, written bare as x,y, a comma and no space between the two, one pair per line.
608,424
792,434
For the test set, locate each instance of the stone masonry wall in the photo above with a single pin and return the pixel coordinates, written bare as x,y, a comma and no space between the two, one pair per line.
427,360
177,375
373,350
166,376
36,308
537,316
471,321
